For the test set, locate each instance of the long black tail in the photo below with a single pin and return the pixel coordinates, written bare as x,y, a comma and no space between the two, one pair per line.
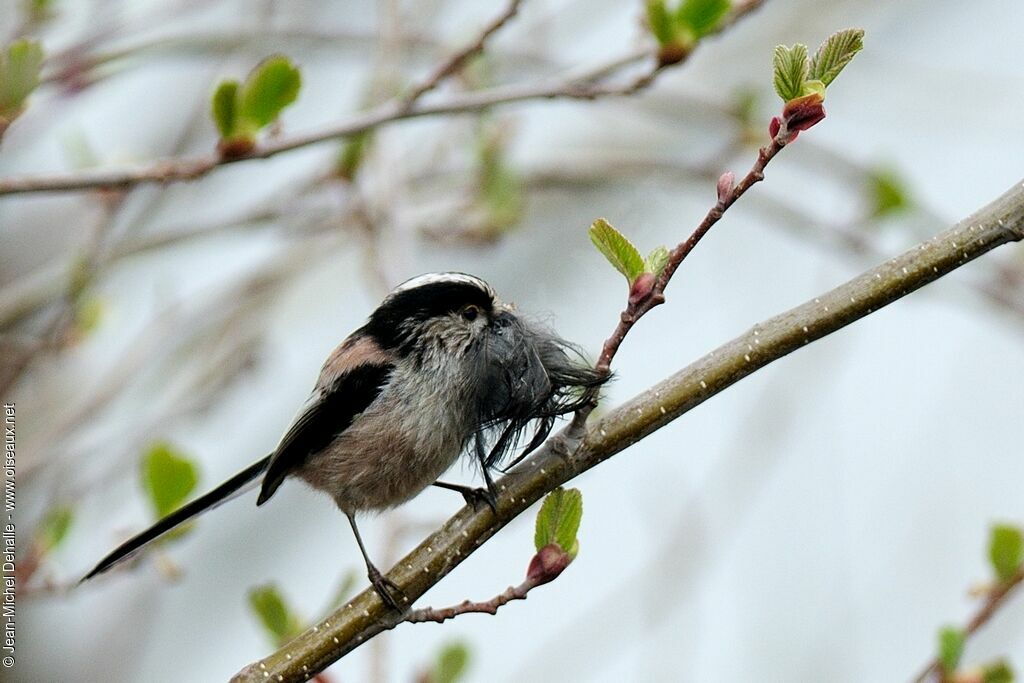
236,485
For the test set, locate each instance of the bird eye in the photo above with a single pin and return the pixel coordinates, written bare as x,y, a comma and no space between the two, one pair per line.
470,313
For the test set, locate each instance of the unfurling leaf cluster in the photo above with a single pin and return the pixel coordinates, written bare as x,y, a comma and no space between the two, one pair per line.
679,29
796,75
625,257
241,110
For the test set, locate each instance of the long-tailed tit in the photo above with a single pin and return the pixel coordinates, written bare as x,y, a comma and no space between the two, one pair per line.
441,368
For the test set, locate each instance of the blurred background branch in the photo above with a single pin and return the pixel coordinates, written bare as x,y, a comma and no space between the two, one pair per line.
189,318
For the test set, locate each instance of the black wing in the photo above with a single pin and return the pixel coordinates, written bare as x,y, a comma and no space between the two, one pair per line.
327,416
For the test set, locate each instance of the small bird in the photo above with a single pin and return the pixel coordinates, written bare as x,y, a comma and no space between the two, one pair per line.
441,368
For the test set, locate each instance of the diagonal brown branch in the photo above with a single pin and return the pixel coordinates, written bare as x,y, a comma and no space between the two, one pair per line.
588,84
563,458
995,599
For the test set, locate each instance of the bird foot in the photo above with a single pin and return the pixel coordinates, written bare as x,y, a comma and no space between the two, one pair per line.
390,593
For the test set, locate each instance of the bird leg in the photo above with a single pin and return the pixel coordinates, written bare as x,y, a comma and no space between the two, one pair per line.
385,587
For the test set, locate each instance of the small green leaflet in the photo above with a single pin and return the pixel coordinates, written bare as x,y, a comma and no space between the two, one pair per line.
54,527
240,110
452,663
559,520
20,65
270,87
702,16
951,648
619,251
791,69
168,477
277,618
1006,551
835,53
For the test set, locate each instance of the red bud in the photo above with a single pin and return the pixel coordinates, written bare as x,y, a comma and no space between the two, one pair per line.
547,564
642,288
725,185
803,112
235,148
774,127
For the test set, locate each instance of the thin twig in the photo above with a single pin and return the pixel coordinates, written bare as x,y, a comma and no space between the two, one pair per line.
457,60
585,85
636,309
440,615
996,598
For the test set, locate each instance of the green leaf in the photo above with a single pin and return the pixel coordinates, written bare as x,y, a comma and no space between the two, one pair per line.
619,251
791,69
224,108
269,88
89,311
342,593
660,21
168,477
813,87
501,189
452,662
656,260
951,648
352,154
559,519
702,16
20,66
54,527
835,53
1006,551
39,10
887,192
997,672
277,618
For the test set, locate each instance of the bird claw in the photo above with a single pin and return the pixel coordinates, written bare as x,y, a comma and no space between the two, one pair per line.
386,588
477,496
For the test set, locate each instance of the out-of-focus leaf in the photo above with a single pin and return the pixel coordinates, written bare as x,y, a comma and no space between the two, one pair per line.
835,53
619,251
39,10
791,69
88,313
274,614
54,527
344,590
353,151
224,108
559,520
1006,550
269,88
659,20
887,192
451,664
20,65
951,648
997,672
168,477
702,16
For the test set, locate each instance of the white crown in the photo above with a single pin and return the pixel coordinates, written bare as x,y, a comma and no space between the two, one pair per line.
433,278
